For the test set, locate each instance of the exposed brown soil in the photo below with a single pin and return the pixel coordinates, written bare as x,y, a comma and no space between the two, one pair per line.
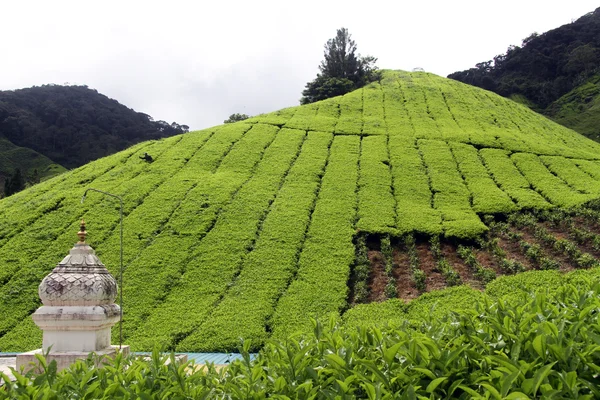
585,247
565,262
513,252
466,274
435,280
404,283
378,277
487,259
590,223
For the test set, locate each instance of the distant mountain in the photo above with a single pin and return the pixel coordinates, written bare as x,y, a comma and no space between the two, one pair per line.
556,73
72,125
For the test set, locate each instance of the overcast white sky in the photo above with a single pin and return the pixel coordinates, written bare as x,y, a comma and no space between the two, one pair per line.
197,62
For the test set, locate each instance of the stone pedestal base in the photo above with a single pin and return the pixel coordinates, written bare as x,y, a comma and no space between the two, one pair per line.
76,328
65,359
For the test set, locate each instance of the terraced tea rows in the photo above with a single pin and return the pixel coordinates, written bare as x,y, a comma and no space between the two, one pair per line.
249,229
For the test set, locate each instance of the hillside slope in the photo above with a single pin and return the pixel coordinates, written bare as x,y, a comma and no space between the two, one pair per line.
549,72
249,229
579,109
31,163
73,125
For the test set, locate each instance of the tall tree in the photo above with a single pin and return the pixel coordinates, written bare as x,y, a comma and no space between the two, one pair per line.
341,71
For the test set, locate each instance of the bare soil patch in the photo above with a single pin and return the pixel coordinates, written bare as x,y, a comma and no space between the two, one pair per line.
404,283
378,277
435,280
466,274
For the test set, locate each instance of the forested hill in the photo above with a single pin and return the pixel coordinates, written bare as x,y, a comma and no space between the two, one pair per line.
73,125
547,68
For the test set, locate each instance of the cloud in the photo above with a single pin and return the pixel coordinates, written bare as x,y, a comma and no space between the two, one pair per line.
198,62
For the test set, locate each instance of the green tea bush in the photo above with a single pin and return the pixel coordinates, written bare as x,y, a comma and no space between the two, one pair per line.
411,189
542,346
486,195
207,252
529,281
568,171
320,285
468,255
362,268
440,303
217,258
418,275
376,204
389,312
552,187
509,179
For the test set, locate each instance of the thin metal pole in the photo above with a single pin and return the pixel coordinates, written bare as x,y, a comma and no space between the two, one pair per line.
121,282
121,269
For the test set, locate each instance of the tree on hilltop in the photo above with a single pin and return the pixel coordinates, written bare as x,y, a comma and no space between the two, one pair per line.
235,118
341,71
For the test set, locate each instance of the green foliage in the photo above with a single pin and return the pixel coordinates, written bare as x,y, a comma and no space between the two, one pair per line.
543,345
578,109
376,205
341,71
529,281
441,303
451,196
468,255
418,276
411,189
563,84
450,275
487,197
249,229
236,117
34,167
216,261
389,312
14,183
266,272
320,286
362,268
548,184
508,178
568,171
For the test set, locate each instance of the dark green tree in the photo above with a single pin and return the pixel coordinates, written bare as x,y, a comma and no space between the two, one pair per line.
341,71
14,183
235,118
34,177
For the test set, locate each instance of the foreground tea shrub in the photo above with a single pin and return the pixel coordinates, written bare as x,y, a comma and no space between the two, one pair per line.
544,346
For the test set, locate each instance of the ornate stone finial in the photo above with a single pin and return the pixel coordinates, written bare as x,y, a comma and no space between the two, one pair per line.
82,233
78,309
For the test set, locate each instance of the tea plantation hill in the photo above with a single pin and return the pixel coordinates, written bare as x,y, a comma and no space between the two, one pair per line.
252,228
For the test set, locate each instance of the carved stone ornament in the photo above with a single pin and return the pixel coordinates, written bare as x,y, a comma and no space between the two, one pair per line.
78,297
80,279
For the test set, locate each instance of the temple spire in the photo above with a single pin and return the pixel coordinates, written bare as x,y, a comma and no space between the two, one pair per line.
82,233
